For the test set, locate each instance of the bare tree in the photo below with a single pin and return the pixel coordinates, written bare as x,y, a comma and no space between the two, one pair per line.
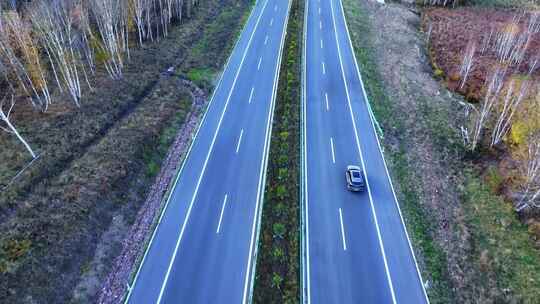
74,36
55,24
533,64
486,41
531,193
124,26
5,117
85,39
19,52
440,2
429,32
468,60
533,25
510,105
108,15
139,8
177,9
158,14
506,41
512,42
150,6
483,115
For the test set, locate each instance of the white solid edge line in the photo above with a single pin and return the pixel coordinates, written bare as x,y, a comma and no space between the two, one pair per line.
382,155
332,148
327,103
208,156
188,152
342,230
251,94
221,214
306,290
239,141
262,177
381,245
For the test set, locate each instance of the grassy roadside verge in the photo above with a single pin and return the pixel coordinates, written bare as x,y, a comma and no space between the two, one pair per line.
277,273
502,246
433,260
205,75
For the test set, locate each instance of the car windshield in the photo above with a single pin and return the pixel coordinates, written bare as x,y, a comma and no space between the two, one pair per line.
356,174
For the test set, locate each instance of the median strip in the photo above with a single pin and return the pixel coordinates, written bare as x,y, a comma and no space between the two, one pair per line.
277,276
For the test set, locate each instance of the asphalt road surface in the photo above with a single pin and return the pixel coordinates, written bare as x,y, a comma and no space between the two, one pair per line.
355,246
204,247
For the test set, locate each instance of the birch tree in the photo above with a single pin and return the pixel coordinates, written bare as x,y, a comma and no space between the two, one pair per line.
20,54
533,26
468,60
55,24
177,9
110,25
439,2
86,35
154,14
486,41
533,64
139,10
512,42
515,94
483,115
531,193
7,125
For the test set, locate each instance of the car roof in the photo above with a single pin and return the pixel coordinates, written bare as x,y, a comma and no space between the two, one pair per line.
357,176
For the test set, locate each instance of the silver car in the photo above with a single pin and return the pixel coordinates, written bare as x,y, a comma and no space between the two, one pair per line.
355,179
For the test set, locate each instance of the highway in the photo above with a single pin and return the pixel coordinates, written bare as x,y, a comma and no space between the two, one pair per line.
355,248
204,247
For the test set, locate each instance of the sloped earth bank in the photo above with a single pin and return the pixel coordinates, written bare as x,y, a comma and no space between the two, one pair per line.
115,285
64,220
459,257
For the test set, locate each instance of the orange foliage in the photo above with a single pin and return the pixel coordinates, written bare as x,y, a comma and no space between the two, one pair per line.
23,43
